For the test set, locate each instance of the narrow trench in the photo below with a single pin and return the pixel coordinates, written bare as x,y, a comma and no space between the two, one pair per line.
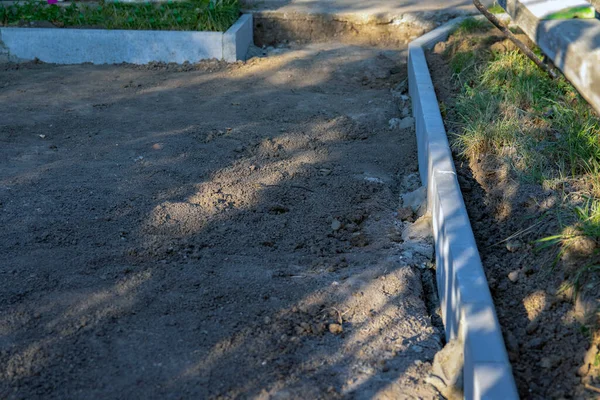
432,301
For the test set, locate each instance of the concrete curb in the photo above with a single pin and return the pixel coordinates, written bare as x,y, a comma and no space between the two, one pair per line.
467,307
238,38
101,46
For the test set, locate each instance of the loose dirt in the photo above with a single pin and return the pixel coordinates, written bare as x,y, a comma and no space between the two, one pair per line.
551,349
209,231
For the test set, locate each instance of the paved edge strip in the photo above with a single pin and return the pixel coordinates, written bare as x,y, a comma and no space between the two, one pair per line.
467,308
103,46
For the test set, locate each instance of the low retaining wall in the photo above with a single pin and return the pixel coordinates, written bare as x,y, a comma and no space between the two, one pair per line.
101,46
467,307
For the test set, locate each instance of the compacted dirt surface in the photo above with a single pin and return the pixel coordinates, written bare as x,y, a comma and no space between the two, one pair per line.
209,231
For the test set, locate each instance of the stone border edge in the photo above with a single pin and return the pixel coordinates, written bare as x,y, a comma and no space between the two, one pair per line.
103,46
238,38
467,308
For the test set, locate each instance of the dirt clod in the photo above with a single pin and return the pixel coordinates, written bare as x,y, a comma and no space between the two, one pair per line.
336,329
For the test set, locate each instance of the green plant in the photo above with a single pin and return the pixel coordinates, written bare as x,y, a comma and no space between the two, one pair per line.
201,15
496,9
510,108
470,25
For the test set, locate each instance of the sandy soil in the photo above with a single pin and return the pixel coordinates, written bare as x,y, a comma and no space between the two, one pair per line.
209,231
551,348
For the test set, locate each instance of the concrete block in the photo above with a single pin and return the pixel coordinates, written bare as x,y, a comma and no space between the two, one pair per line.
238,39
102,46
75,46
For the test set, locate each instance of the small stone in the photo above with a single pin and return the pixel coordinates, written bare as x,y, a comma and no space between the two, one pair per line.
405,214
416,199
336,225
239,149
535,343
514,276
513,245
420,230
532,326
359,239
394,123
416,348
549,362
336,329
406,123
267,320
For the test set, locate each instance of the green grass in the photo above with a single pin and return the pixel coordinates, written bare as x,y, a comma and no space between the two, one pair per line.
194,15
511,108
471,25
496,9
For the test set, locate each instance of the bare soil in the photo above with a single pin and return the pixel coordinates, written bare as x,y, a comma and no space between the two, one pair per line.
209,231
550,344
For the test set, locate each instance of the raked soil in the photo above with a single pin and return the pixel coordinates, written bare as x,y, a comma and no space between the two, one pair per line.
210,231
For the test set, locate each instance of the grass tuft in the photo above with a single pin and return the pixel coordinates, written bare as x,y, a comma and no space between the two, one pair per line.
510,108
472,25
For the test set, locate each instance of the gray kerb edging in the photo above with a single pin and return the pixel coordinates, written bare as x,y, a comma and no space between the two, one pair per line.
102,46
467,307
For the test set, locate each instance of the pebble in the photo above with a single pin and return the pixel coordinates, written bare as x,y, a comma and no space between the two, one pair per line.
513,245
336,329
535,343
416,348
359,239
514,276
405,213
336,225
406,123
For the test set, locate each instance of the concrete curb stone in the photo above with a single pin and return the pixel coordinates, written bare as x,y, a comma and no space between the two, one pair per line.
467,307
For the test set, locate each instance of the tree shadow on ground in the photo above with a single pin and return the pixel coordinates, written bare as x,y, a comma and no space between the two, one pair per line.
172,234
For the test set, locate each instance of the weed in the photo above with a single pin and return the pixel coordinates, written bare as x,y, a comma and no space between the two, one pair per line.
471,25
496,9
199,15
